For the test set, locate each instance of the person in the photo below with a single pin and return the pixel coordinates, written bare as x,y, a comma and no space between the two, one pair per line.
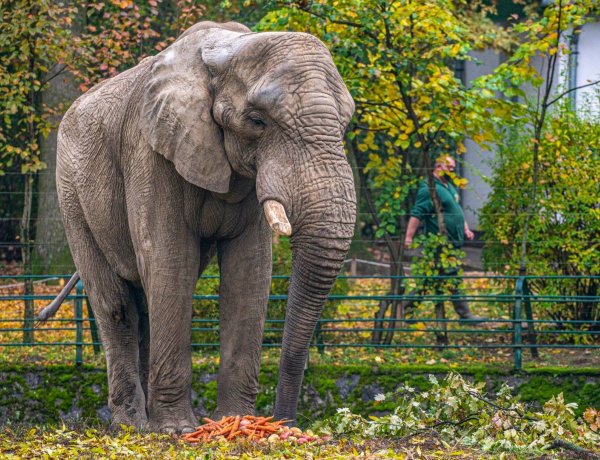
423,212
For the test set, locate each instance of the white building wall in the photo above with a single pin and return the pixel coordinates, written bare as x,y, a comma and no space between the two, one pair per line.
475,164
588,68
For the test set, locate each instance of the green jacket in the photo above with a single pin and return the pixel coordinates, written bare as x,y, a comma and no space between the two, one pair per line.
454,217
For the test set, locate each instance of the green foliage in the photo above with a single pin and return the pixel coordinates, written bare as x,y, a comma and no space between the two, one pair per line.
563,232
539,37
456,409
438,256
397,59
438,259
119,33
33,37
541,216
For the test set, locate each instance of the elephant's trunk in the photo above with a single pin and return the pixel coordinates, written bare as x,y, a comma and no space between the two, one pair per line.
321,235
310,285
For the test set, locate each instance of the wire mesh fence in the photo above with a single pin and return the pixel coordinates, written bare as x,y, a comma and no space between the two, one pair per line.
520,313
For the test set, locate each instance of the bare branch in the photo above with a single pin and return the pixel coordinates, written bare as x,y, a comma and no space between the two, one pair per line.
583,453
63,68
560,96
356,25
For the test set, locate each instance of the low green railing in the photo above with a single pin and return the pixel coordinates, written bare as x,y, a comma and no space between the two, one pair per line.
528,326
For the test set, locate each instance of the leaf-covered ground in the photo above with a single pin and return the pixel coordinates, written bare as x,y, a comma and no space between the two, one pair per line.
97,443
92,441
452,419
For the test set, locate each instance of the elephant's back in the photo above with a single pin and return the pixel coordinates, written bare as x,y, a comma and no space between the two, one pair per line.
89,167
93,124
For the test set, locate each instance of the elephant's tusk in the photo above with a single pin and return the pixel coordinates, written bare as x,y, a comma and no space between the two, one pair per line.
275,214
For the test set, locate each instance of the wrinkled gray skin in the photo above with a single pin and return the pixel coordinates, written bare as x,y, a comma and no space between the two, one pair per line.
170,162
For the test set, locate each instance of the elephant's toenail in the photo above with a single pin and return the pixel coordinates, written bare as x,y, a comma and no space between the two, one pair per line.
169,430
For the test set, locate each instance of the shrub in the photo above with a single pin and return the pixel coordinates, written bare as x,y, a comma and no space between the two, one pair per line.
564,228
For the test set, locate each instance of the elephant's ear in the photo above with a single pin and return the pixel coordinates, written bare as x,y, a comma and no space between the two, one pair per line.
176,115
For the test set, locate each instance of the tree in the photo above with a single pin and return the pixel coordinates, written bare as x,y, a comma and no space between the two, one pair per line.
33,34
542,215
51,253
397,59
106,39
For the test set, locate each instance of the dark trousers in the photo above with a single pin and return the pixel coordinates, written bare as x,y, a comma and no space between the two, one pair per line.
439,287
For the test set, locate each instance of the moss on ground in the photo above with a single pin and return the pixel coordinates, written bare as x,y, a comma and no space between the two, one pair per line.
38,394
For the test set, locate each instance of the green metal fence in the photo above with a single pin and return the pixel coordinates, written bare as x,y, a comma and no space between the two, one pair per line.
527,313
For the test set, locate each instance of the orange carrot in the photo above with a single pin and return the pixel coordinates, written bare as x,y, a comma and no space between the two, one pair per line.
266,428
234,434
279,422
253,428
226,428
236,423
262,420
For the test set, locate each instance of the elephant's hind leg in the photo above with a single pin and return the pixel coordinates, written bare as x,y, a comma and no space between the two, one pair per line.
115,308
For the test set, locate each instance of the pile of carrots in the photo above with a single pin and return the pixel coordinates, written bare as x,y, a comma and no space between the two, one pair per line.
248,426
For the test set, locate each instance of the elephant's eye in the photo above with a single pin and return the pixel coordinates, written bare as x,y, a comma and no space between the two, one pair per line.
257,120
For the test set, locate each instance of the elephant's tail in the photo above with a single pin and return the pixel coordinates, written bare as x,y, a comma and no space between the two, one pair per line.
50,310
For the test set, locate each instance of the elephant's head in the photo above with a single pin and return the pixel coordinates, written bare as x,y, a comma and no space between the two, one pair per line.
269,106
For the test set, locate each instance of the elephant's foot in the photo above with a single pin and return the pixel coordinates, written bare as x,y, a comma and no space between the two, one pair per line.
129,417
172,420
226,410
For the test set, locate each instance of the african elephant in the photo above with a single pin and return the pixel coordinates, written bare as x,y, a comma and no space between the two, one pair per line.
203,149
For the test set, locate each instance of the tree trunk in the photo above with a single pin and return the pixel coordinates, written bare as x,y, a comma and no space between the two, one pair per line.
26,244
395,251
52,253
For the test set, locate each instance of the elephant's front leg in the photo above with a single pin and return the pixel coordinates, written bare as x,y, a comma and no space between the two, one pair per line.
170,287
245,264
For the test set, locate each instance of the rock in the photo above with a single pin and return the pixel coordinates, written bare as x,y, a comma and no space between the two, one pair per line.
346,385
74,414
199,408
316,401
97,389
32,380
104,414
206,378
369,392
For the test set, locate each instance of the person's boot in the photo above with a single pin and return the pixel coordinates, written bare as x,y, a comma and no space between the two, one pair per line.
465,314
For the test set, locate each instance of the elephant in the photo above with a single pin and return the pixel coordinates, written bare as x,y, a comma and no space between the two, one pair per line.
204,150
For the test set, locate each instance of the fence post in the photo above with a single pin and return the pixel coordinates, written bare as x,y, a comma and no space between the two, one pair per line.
530,324
319,338
517,318
79,324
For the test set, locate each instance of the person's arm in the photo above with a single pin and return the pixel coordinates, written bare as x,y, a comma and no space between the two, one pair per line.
411,229
468,233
